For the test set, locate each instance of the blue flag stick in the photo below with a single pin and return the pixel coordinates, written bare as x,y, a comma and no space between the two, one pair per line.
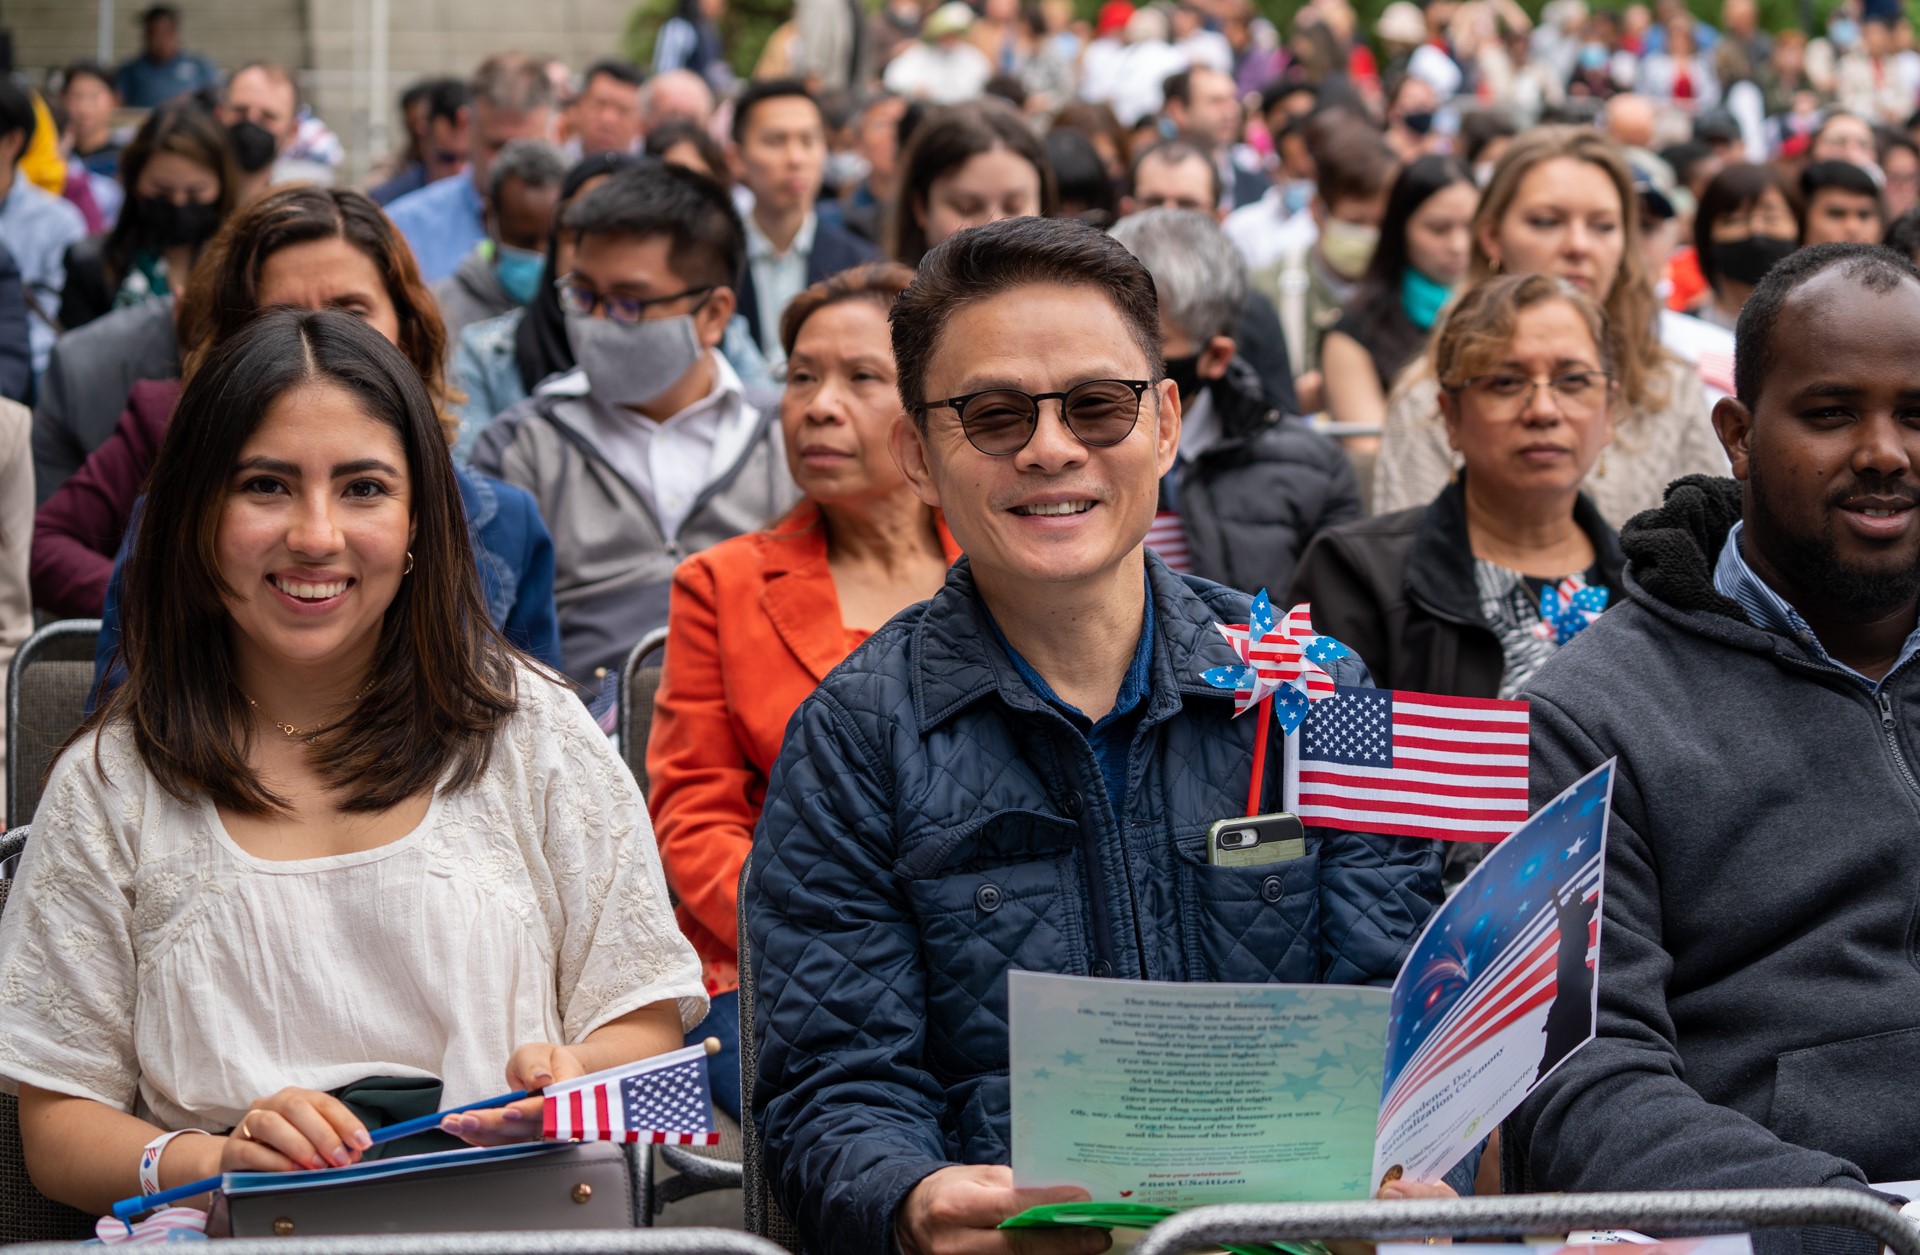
127,1208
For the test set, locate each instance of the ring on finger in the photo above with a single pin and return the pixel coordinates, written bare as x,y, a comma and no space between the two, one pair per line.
241,1132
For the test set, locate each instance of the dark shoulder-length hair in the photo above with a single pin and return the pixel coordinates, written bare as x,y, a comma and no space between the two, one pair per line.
943,142
224,294
186,128
443,681
1376,301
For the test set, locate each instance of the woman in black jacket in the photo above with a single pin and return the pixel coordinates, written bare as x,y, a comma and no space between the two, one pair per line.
181,184
1469,594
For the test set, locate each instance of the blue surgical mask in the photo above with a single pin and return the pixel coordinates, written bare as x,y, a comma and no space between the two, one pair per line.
518,270
1422,298
1297,195
1844,32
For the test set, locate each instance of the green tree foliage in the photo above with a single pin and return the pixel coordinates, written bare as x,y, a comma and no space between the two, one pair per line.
744,30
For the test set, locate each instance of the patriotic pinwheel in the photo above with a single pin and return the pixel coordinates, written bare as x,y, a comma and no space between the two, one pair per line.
1566,611
1285,661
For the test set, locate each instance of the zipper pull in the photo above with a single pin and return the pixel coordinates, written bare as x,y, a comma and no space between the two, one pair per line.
1886,711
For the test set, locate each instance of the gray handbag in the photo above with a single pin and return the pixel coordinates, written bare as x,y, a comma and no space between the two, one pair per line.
574,1185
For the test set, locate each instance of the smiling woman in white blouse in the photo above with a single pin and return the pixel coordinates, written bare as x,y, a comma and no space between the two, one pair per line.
332,827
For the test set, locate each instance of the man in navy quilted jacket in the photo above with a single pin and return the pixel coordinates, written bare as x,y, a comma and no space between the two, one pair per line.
1020,772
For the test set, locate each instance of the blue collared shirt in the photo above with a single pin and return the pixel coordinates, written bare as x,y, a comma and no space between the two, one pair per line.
443,221
1112,735
1769,611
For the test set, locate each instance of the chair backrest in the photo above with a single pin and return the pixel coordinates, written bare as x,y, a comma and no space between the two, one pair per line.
26,1215
47,689
763,1214
639,682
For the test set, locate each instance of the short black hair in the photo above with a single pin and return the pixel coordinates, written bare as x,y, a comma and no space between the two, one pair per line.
16,112
618,69
155,12
1844,175
759,92
420,93
1179,86
86,69
1172,152
1873,266
983,262
446,97
691,210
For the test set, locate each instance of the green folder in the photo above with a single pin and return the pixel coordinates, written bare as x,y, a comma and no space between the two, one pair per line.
1137,1216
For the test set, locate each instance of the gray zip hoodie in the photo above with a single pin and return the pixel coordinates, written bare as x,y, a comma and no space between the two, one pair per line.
613,565
1760,953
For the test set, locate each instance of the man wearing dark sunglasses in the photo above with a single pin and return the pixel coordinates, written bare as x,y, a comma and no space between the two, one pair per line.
1020,772
654,448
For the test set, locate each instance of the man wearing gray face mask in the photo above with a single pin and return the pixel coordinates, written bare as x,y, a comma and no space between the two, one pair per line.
653,448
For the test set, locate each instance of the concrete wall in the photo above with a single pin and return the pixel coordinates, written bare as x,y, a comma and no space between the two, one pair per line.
327,42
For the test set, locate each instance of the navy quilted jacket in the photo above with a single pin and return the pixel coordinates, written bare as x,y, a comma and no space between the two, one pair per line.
932,822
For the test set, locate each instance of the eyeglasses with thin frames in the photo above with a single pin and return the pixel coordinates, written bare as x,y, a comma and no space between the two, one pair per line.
1577,393
581,301
1001,421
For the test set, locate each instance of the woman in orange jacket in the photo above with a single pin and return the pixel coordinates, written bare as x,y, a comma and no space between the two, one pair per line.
757,621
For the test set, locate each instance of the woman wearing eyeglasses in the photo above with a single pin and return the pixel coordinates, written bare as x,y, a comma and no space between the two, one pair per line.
1469,594
1453,596
754,623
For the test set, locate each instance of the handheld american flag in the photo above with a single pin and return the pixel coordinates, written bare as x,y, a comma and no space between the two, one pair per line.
1414,765
662,1099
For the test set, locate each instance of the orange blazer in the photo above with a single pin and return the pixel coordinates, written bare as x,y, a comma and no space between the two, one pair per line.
753,625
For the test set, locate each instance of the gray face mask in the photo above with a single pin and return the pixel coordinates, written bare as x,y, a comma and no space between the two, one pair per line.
630,365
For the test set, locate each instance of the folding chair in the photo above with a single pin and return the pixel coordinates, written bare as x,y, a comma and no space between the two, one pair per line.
764,1217
639,683
47,690
571,1242
696,1171
1677,1211
26,1215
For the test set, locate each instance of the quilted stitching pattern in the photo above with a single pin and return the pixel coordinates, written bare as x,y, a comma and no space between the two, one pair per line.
931,824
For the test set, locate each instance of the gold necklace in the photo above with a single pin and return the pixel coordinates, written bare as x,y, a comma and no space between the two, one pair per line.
288,729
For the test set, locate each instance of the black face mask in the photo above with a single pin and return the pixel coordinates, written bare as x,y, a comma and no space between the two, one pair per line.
167,225
1747,261
1419,123
254,146
1185,373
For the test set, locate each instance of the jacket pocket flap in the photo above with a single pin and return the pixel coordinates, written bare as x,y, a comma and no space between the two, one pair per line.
996,837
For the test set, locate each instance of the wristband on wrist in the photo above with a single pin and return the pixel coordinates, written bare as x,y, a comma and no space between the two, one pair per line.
150,1160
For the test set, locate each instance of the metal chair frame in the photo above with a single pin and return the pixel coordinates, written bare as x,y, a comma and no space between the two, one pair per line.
634,729
696,1172
67,640
1691,1211
763,1214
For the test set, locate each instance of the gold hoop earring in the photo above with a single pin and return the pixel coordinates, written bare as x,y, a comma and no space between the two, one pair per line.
408,569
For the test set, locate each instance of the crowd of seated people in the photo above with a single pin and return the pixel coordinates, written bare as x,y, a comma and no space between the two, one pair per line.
934,431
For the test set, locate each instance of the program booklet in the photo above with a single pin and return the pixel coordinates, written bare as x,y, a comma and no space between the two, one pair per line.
1176,1095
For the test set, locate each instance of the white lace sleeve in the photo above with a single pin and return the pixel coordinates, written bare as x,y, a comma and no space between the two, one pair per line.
621,948
66,939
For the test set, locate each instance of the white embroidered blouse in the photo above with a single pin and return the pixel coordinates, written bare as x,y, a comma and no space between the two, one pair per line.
148,962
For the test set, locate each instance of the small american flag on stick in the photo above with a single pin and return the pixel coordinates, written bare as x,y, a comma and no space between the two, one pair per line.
662,1099
1414,765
